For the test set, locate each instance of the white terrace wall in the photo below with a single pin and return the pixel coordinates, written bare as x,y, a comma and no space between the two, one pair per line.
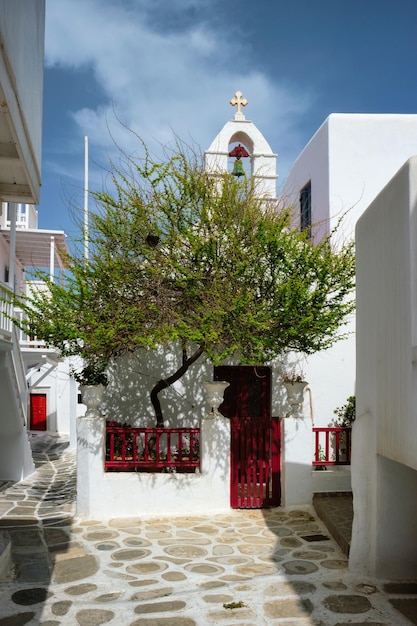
384,447
184,405
103,495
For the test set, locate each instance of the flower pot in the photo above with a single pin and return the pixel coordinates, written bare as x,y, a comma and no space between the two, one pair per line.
92,396
295,396
215,393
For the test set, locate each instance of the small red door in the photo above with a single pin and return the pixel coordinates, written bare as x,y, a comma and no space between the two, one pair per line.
38,411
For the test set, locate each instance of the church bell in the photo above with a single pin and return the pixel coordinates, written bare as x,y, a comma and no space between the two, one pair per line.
238,169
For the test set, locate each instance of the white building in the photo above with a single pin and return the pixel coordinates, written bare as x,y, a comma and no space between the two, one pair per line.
384,451
26,367
34,386
343,167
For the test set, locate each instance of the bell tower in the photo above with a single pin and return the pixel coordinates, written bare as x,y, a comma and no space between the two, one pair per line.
240,138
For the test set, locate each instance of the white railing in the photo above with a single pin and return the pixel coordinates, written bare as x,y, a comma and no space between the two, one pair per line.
6,324
25,340
19,370
9,332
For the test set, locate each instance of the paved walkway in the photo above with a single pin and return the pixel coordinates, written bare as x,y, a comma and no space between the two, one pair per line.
246,568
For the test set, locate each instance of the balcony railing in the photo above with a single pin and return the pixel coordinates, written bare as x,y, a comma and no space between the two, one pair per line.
6,325
152,449
332,446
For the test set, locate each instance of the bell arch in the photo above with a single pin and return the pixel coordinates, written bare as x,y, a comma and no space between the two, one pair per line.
240,130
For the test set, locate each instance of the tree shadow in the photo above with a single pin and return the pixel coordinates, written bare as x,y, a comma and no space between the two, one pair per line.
127,397
34,542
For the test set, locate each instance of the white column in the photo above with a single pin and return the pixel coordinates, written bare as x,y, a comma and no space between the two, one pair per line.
215,460
12,250
297,457
90,463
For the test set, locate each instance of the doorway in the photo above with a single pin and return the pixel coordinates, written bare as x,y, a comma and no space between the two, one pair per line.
255,436
38,414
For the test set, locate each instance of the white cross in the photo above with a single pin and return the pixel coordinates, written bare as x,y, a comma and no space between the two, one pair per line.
239,101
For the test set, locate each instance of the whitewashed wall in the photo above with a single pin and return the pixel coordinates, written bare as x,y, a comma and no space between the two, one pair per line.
349,160
384,446
127,401
127,397
103,495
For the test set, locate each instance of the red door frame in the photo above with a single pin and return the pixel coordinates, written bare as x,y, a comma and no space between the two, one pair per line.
38,412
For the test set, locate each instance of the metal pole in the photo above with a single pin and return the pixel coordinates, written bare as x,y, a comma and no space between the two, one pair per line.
52,259
86,198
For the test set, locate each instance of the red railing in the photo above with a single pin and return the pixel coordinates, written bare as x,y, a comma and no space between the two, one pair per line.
152,449
332,446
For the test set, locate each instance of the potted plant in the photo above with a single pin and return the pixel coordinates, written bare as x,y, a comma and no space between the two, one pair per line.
294,385
92,379
346,415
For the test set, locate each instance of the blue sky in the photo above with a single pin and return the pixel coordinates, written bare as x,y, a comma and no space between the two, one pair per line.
163,67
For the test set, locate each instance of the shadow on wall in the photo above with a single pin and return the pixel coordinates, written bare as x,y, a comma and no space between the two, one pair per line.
132,377
127,398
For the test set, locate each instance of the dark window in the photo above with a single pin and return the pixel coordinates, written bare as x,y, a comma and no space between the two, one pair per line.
305,208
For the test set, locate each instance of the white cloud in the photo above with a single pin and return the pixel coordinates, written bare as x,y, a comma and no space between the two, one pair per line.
159,81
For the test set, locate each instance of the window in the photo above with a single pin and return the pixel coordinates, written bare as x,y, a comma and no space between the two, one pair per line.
305,208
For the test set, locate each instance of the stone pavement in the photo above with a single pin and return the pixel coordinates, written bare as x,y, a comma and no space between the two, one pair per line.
246,568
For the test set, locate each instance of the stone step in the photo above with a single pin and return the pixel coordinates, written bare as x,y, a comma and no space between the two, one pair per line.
336,511
6,563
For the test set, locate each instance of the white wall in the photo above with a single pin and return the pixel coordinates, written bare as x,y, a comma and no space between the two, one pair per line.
311,165
384,444
349,160
365,151
127,398
103,495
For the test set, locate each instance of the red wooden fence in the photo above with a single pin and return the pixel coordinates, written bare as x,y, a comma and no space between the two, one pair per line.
255,462
332,446
152,449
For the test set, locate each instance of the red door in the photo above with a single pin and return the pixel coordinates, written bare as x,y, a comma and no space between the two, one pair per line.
256,444
250,391
38,411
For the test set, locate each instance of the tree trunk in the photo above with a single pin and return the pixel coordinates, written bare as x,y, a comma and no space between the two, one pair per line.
167,382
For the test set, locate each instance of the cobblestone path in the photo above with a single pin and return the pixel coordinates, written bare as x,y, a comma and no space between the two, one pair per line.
246,568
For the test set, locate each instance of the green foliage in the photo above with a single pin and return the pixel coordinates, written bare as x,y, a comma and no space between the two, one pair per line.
93,373
346,414
179,254
234,605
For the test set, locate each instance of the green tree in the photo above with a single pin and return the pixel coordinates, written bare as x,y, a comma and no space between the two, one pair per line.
178,254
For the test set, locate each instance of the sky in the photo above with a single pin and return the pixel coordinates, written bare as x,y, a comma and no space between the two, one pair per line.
169,68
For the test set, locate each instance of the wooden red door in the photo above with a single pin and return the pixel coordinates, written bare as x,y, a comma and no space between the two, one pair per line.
256,441
249,393
38,411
